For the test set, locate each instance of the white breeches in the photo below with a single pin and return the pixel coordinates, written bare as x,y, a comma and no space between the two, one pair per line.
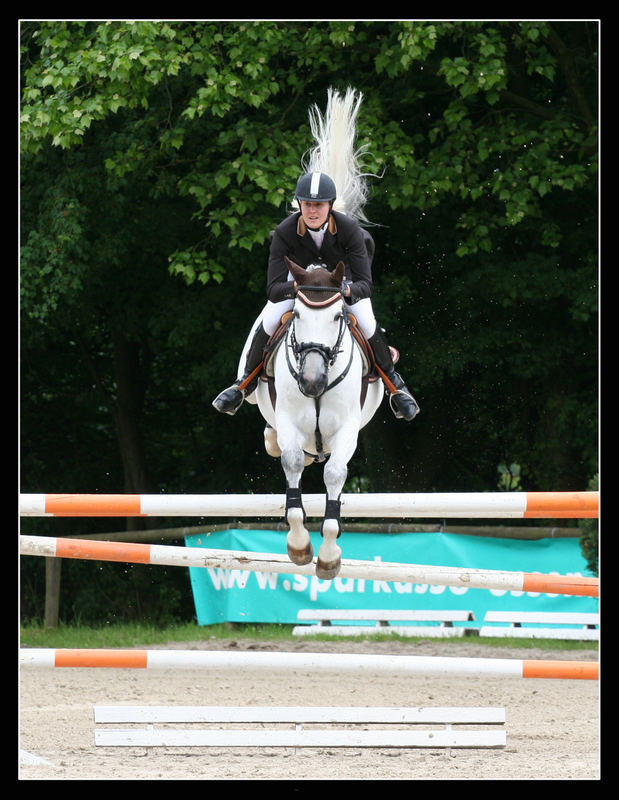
273,312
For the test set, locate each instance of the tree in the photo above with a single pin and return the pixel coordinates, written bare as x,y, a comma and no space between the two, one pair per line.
187,136
157,156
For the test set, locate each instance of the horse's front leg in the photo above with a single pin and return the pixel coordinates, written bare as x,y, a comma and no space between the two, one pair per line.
299,545
336,469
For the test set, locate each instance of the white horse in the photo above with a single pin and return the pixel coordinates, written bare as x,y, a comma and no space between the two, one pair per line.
313,404
318,409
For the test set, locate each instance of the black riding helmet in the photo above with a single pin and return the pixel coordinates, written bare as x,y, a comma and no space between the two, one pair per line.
316,187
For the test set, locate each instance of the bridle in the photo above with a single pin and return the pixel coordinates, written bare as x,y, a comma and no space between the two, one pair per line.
301,350
329,355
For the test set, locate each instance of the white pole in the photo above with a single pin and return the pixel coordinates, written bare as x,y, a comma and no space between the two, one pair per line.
407,505
168,555
311,662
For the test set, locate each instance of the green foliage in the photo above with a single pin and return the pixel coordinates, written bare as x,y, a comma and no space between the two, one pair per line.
55,254
156,157
589,535
509,480
223,82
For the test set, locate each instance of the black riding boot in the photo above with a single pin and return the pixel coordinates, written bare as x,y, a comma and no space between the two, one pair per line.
402,402
231,399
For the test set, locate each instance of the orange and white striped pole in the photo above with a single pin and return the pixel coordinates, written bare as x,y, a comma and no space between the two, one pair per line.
168,555
312,662
514,505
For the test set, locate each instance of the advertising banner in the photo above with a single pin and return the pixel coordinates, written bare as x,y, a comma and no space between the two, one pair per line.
236,595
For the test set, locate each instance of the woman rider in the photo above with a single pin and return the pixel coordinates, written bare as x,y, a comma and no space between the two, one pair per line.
319,235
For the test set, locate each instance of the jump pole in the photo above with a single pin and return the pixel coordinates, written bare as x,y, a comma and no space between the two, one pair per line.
437,505
311,662
168,555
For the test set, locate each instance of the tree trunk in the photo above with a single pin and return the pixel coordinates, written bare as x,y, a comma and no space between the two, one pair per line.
131,367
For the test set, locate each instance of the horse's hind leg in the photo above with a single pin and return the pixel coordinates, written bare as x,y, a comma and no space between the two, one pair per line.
270,442
298,541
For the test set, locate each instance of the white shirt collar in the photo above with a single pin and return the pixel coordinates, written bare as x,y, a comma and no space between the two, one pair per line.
318,235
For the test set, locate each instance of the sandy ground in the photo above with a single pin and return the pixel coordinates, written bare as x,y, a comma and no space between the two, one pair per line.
553,730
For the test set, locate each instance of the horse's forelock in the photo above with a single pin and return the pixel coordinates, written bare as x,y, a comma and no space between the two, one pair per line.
319,276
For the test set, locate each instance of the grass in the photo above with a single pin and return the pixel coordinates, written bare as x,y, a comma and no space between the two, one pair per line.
140,635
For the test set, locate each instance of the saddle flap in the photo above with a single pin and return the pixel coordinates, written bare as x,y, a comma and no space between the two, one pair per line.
366,348
273,344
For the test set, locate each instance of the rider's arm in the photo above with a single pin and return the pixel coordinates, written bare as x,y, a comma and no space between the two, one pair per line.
278,286
358,264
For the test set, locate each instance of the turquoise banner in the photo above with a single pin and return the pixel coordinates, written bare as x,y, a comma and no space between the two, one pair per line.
235,595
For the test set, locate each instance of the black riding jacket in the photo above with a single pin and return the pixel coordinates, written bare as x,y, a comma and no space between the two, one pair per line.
344,240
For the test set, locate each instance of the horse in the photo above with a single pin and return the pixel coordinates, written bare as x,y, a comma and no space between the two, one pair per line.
314,407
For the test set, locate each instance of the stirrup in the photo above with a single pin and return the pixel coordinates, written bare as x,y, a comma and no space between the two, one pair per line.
230,404
395,408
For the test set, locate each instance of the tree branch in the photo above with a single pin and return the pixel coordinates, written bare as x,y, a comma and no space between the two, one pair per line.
528,105
566,60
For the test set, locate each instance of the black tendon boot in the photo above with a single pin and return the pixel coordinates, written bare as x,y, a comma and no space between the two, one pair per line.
402,402
231,399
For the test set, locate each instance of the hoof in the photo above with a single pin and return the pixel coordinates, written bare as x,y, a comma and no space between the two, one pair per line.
327,571
301,557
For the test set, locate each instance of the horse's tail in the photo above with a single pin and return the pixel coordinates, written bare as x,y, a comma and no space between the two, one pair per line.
335,151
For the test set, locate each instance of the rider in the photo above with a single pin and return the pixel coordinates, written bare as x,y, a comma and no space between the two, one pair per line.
319,235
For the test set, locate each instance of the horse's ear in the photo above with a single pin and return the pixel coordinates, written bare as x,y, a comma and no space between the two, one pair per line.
339,272
298,273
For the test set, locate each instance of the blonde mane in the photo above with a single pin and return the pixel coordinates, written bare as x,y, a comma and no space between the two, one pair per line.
335,153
